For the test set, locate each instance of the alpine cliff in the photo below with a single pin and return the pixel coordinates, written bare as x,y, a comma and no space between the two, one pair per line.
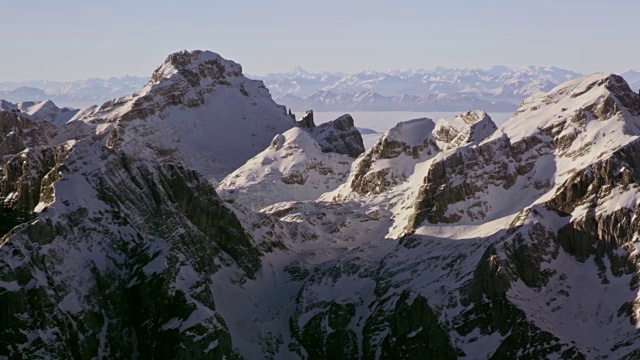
197,219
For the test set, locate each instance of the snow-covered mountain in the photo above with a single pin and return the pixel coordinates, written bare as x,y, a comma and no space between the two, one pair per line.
41,110
327,100
127,236
300,164
449,238
498,88
455,238
633,78
77,94
197,110
298,82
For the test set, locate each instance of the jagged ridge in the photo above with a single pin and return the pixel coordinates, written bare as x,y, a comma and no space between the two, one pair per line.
477,241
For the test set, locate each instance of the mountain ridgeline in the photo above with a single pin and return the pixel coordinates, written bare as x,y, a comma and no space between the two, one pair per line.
197,219
496,89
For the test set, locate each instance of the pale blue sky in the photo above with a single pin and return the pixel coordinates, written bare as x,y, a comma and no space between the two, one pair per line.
73,39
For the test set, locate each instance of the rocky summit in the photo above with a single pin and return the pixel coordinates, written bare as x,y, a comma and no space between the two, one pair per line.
198,110
196,219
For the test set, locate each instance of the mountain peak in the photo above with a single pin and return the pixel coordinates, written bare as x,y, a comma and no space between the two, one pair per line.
595,85
197,109
299,71
594,97
611,82
196,64
182,80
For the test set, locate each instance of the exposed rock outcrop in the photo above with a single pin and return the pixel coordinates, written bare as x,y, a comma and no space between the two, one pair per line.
306,121
391,160
339,136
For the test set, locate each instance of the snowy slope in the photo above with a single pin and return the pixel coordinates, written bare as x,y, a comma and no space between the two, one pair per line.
198,110
41,110
299,165
293,168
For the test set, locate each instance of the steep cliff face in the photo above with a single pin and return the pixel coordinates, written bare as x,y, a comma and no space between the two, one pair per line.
26,166
339,136
19,132
117,261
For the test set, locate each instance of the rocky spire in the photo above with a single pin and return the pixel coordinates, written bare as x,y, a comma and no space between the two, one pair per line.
306,121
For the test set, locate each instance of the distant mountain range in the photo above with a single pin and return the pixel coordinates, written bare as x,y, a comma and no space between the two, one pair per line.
496,89
327,100
76,94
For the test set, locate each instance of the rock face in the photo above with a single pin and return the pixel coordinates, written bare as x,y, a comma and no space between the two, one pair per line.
339,136
124,250
392,159
20,132
306,121
449,239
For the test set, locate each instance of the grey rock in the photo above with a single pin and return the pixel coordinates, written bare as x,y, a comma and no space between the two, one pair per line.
339,136
306,121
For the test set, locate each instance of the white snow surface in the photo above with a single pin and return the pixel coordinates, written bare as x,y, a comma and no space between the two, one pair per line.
41,110
293,168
